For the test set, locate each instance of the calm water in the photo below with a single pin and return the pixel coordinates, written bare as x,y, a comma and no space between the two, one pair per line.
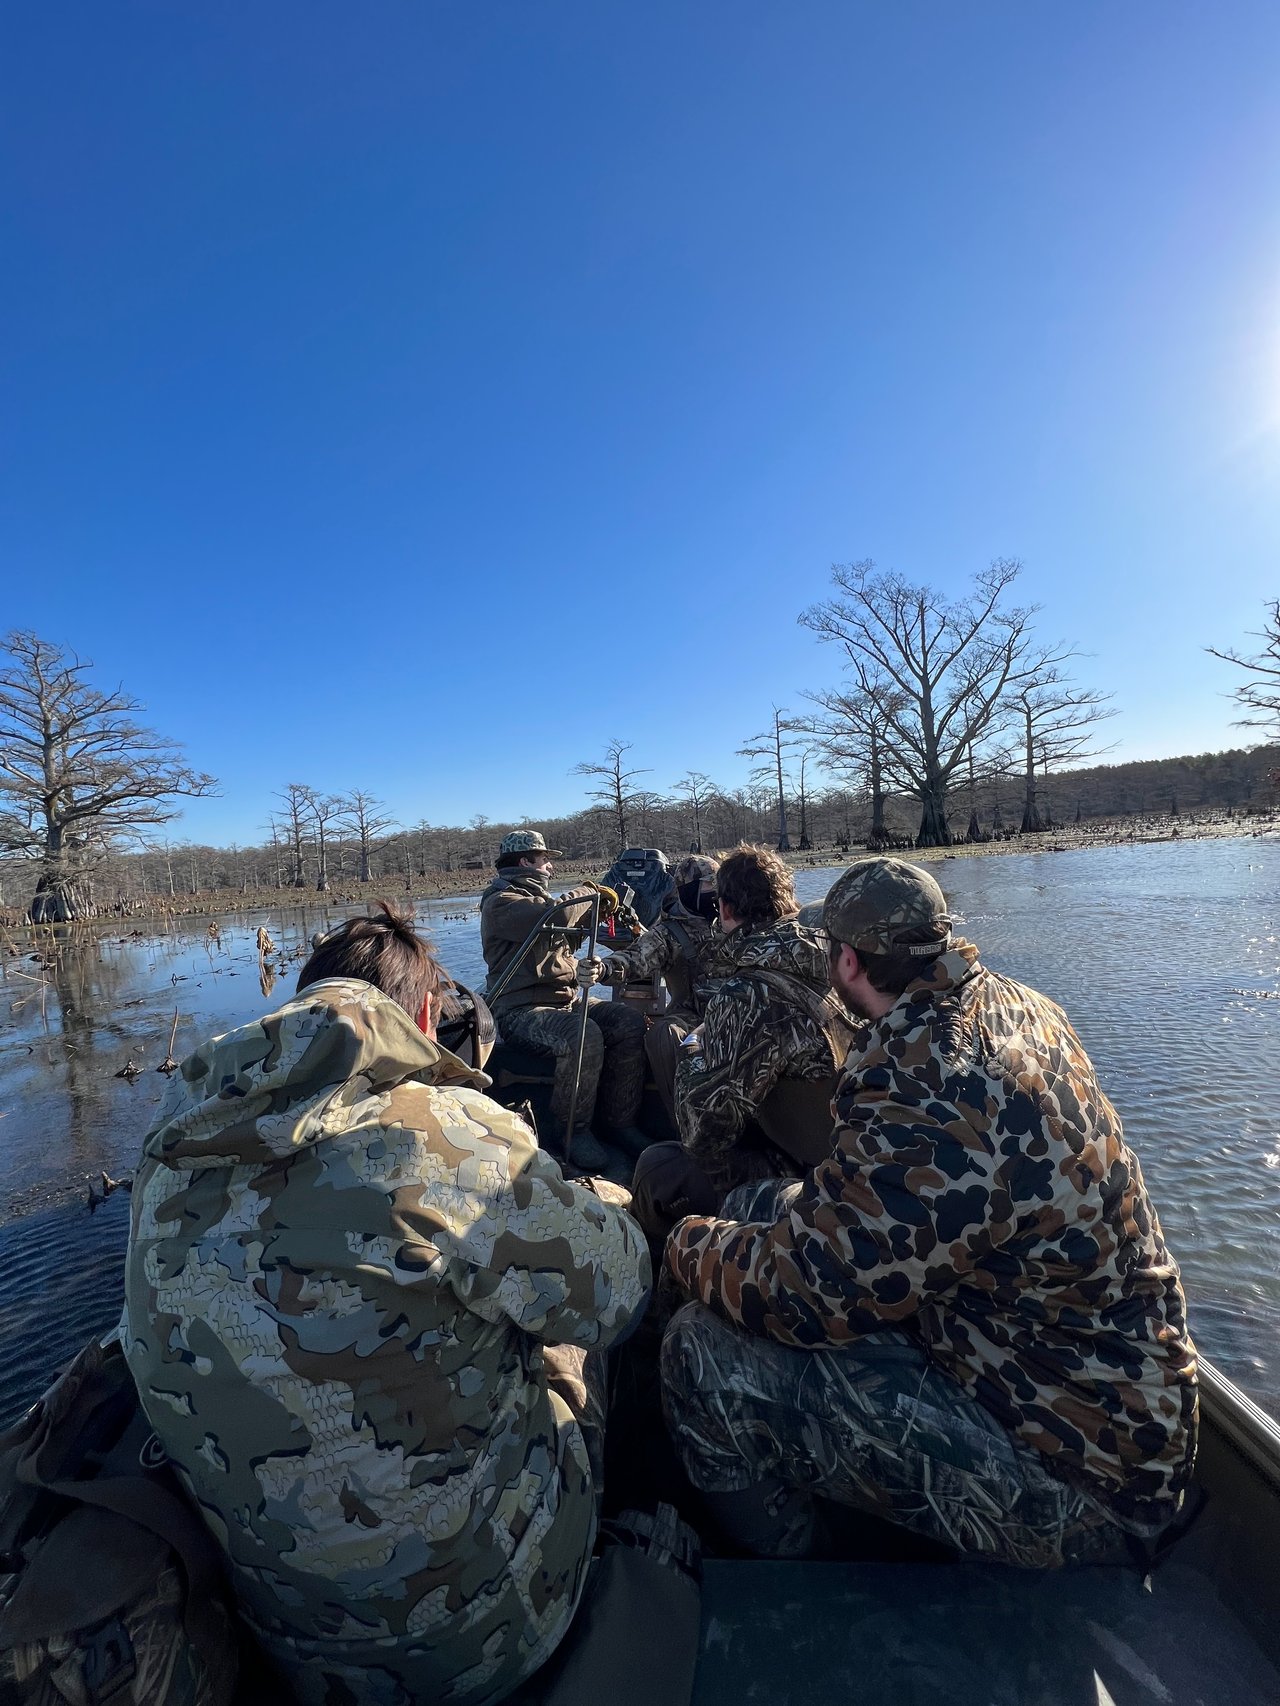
1166,957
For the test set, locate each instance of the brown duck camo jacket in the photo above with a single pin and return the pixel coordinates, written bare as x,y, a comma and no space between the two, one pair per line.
980,1194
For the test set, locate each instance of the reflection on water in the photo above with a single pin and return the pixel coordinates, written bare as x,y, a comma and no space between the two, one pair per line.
1167,959
72,1019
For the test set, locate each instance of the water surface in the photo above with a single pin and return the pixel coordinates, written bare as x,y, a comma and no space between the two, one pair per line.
1166,958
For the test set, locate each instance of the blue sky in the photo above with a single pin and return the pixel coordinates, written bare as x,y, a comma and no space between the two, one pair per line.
415,396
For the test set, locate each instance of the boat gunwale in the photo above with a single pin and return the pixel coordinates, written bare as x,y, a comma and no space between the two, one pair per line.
1244,1425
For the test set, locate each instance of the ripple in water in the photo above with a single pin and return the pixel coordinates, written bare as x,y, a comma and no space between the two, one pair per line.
1166,958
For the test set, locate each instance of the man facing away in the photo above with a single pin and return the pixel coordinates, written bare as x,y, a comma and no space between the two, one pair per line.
359,1307
753,1094
965,1319
684,948
537,1001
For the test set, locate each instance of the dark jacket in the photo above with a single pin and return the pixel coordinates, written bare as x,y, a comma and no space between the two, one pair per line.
510,907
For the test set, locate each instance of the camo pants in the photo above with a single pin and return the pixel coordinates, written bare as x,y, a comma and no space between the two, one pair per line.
874,1425
612,1058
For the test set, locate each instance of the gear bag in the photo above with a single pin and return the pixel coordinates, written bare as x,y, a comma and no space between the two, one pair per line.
111,1586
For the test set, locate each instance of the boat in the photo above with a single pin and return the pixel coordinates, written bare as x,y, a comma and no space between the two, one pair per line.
892,1624
1201,1627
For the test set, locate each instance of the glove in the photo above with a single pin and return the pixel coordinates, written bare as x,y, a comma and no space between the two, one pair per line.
608,897
589,972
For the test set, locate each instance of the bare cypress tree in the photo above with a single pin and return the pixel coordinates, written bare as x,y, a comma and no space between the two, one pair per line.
77,772
615,792
1057,723
771,746
323,809
274,829
802,800
1259,697
851,737
939,670
362,817
296,817
699,791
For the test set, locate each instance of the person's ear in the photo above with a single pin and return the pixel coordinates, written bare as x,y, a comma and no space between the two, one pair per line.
426,1019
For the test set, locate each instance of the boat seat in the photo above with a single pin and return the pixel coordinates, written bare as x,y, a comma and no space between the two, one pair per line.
970,1635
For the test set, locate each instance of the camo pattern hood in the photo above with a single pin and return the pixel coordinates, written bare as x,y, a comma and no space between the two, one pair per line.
981,1192
781,1023
344,1264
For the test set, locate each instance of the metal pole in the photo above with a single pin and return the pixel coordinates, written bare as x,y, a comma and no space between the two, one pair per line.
582,1034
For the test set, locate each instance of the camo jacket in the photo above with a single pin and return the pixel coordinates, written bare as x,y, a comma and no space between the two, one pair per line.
981,1193
344,1264
753,1035
664,951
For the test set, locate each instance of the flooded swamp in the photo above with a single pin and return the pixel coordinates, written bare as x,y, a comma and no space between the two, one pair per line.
1166,957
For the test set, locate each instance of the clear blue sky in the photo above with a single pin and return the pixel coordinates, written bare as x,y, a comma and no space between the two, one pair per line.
413,396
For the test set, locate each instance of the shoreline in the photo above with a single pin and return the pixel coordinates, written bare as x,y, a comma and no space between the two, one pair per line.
49,1194
448,885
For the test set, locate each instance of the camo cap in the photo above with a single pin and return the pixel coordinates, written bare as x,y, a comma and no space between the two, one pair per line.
696,867
527,841
878,901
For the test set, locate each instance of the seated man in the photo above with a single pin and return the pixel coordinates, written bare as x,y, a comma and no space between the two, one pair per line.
359,1303
1007,1367
753,1095
537,1003
684,949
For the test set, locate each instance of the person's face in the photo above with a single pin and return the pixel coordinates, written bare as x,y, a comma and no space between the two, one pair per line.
540,862
845,971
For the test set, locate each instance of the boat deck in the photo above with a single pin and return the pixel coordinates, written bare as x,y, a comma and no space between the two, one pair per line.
1202,1629
949,1635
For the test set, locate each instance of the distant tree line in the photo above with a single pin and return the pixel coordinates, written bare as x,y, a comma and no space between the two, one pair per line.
414,859
953,721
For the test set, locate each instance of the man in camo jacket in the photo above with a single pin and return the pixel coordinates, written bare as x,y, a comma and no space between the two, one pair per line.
753,1099
683,947
365,1315
966,1320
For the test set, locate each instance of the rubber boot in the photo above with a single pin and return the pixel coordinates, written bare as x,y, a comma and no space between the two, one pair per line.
586,1153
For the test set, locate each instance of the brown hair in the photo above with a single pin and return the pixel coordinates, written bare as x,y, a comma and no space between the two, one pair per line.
891,973
383,949
757,885
508,861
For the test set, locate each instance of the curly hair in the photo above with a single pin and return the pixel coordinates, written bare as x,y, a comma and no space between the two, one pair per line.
756,884
384,949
